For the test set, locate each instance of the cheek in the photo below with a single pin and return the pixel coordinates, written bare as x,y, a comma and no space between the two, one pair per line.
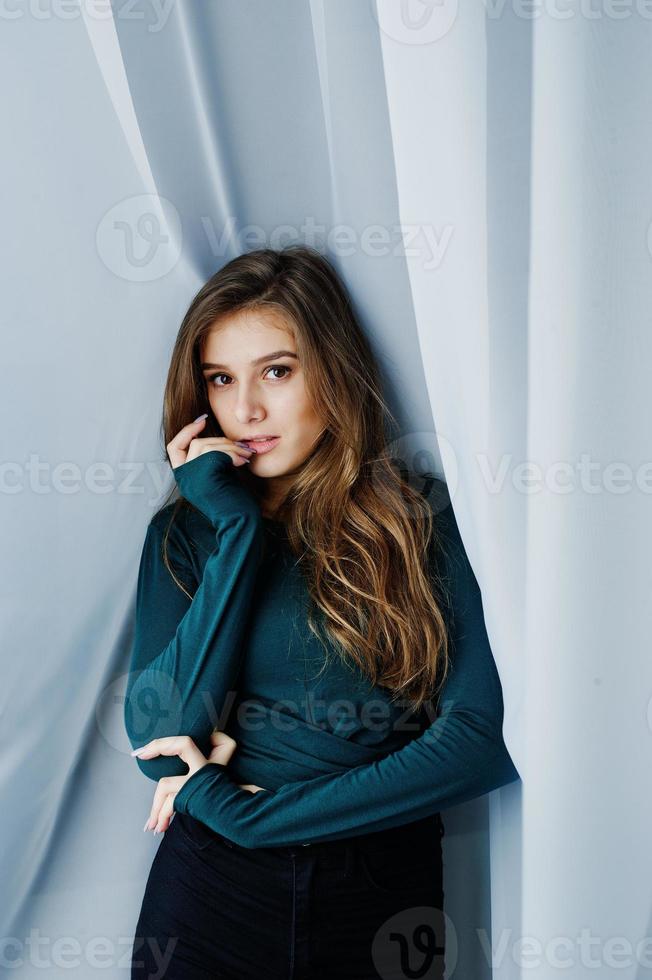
309,418
294,404
216,404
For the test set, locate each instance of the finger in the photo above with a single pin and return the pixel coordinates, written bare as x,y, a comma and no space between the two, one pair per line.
178,445
197,446
164,787
181,443
165,813
221,755
157,803
221,740
181,745
239,454
154,822
218,737
160,793
223,748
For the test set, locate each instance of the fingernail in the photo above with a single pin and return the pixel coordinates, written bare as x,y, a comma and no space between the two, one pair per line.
146,824
136,751
200,417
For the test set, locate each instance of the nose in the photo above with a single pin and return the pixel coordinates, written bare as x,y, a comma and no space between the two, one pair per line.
248,407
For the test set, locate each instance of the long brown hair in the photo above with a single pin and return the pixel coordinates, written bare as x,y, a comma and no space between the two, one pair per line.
361,533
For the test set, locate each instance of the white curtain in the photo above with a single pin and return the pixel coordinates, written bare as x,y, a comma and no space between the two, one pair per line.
522,133
480,176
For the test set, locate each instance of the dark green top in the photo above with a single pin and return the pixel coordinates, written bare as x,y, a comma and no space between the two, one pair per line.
336,757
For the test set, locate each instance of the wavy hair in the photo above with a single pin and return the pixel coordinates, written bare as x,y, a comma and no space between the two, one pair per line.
361,534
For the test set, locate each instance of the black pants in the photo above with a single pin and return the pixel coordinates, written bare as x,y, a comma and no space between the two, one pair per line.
365,907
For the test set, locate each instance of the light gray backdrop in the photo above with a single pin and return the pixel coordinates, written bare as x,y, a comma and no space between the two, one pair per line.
481,178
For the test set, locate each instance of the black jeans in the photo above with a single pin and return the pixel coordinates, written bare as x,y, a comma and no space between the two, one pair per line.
365,907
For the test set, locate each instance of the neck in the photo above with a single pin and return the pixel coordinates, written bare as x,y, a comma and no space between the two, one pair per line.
270,492
272,497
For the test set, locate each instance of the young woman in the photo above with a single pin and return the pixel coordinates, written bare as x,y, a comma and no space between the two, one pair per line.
311,679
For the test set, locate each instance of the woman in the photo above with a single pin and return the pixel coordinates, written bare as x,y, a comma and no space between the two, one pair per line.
311,679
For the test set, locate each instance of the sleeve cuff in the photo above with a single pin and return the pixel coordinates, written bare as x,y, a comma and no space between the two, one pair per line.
210,772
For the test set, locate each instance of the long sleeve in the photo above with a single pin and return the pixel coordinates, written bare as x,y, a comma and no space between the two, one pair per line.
460,755
186,654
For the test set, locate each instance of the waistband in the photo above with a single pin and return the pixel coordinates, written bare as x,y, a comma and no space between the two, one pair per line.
411,835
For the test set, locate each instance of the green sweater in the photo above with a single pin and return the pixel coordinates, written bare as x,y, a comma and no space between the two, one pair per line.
335,756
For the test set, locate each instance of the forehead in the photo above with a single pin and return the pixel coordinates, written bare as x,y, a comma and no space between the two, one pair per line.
247,334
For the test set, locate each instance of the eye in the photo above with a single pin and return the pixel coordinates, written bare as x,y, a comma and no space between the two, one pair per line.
280,367
212,378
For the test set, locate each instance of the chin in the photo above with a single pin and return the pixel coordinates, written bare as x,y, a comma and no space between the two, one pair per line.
267,467
270,467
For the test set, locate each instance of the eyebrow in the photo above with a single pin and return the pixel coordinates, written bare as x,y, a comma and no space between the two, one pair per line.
258,360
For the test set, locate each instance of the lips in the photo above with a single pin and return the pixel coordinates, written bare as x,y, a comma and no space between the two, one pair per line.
261,445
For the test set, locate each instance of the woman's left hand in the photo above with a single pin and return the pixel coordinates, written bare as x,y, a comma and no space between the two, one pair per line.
168,787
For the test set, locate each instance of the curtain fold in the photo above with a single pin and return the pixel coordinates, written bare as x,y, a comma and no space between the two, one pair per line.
472,332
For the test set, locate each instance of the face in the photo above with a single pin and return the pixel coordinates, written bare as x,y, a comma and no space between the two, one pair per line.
254,393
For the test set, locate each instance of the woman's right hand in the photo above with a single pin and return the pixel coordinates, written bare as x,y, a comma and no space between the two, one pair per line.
223,747
186,445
